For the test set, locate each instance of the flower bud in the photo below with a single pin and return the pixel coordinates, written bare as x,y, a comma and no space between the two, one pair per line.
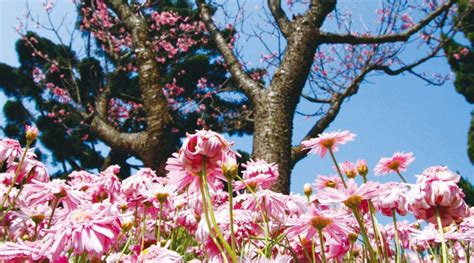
31,133
308,189
362,168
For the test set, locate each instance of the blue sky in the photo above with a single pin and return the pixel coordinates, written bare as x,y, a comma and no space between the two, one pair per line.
388,114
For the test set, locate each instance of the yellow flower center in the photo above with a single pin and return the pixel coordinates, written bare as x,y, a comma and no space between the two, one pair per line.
320,222
353,201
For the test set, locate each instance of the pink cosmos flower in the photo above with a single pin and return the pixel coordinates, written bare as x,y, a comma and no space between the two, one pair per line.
92,230
392,197
258,175
327,140
397,163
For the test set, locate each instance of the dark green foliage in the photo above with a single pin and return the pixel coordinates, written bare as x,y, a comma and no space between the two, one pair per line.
468,190
462,64
64,125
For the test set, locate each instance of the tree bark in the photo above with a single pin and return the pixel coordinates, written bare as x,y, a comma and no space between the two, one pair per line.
275,106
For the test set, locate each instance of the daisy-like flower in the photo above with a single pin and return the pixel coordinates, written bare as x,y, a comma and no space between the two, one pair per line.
397,163
155,253
328,141
349,169
92,230
274,204
9,151
328,181
21,251
393,197
40,193
257,175
333,225
352,196
203,149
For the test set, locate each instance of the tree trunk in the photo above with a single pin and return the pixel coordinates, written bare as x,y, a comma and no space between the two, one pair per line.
273,131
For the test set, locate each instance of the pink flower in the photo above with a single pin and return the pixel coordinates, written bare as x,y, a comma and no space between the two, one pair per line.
273,203
437,190
349,169
202,149
159,254
332,224
352,196
323,182
258,175
91,230
21,251
397,163
9,151
393,197
327,140
31,133
42,192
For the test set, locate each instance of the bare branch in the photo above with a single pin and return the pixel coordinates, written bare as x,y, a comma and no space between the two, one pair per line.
331,38
298,152
247,84
280,17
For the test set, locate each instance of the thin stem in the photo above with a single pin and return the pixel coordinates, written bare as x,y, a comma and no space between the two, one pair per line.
337,167
397,241
351,249
17,172
401,176
377,234
444,251
54,204
313,252
158,225
231,214
213,218
125,247
143,231
321,242
359,219
206,217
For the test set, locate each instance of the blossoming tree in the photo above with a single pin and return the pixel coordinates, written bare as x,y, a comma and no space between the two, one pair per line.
321,57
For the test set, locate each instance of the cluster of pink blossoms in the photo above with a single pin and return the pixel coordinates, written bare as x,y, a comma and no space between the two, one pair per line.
208,209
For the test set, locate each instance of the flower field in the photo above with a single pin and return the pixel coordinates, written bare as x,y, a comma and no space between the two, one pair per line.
210,208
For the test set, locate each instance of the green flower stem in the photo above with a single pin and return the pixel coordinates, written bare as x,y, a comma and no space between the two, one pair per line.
54,204
401,176
206,217
377,234
337,167
444,250
397,240
321,242
231,215
158,225
226,245
373,257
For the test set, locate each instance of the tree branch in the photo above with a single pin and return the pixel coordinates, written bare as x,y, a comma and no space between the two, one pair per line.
298,152
154,102
280,17
247,84
332,38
